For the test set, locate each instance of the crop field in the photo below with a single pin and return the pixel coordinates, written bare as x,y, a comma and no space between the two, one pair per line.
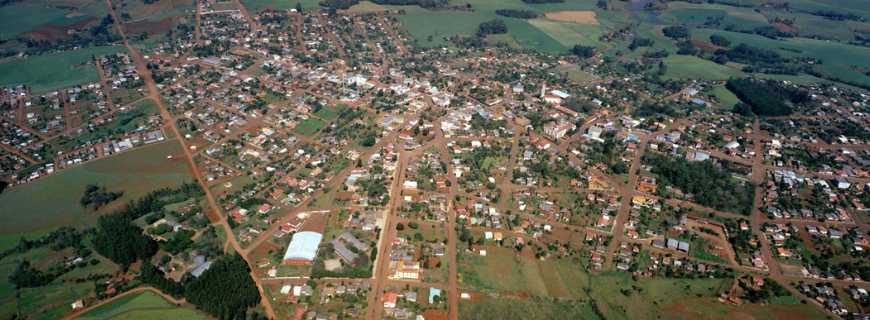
145,305
691,67
53,71
53,201
430,28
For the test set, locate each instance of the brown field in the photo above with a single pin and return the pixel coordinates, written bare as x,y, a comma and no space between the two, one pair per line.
581,17
54,32
150,27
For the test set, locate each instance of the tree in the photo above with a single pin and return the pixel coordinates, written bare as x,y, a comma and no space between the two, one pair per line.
676,32
719,40
583,51
299,7
495,26
225,290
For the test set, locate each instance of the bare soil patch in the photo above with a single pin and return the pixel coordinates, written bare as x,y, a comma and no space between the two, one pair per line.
581,17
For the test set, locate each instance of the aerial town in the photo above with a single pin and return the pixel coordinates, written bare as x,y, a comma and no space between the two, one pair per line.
238,162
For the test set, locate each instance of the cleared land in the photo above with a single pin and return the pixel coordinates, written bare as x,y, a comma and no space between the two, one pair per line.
581,17
53,201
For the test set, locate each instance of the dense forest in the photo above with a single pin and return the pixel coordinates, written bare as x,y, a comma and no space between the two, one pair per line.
225,290
515,13
709,184
766,97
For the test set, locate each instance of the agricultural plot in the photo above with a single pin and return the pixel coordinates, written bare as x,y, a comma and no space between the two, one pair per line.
691,67
431,28
53,201
145,305
56,70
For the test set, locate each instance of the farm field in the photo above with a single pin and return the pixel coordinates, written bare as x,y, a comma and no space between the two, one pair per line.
24,17
144,305
53,71
431,28
53,201
691,67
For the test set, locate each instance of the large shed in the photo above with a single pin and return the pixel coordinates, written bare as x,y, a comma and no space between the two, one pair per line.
303,247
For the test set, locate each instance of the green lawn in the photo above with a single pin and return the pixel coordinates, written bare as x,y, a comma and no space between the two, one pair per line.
309,126
53,201
727,99
53,71
145,305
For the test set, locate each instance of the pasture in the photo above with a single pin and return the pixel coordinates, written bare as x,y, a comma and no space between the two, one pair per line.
55,70
145,305
53,201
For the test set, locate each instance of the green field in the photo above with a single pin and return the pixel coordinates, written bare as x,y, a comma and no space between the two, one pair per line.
257,5
502,273
837,59
330,113
430,28
53,71
309,127
53,201
145,305
698,14
692,67
23,17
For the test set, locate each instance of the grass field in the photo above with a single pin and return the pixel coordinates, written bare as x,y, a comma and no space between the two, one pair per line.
837,59
309,126
692,67
53,71
145,305
727,99
53,201
330,113
535,308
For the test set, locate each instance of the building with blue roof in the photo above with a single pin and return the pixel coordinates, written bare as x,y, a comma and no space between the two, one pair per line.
303,248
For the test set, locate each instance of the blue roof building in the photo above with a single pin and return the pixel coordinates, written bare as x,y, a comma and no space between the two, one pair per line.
303,247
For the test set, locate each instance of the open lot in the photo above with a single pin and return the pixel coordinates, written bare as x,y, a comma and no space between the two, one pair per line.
53,201
53,71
